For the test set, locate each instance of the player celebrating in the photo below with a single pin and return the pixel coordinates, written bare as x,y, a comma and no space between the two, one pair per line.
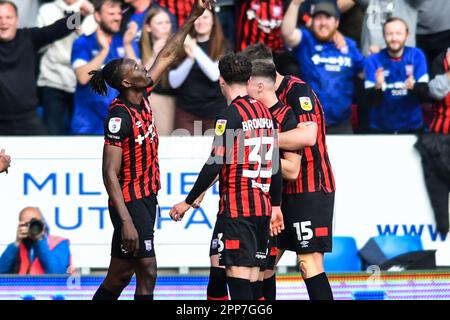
308,201
245,156
130,165
261,86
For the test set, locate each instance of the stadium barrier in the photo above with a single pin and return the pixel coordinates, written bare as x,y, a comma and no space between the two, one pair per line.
380,191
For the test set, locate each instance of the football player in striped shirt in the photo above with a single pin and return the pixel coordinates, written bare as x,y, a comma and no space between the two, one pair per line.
130,164
245,156
261,86
308,202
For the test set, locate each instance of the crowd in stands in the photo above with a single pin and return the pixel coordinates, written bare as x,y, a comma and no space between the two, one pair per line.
372,63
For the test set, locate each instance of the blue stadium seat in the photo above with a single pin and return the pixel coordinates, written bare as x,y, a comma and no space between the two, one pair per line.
393,246
344,256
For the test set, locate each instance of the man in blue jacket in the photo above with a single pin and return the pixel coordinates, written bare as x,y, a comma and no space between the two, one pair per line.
35,252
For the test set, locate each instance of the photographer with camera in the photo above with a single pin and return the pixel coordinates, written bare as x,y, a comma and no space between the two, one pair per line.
35,251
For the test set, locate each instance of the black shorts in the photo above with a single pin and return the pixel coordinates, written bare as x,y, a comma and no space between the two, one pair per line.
214,245
272,257
241,241
143,213
308,222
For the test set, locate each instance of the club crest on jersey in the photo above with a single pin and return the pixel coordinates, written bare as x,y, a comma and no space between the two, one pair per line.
276,11
305,103
220,127
114,125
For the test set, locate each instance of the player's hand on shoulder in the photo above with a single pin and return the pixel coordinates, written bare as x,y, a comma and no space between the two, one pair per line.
177,212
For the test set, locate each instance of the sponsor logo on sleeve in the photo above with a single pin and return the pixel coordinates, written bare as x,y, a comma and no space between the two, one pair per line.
111,136
114,125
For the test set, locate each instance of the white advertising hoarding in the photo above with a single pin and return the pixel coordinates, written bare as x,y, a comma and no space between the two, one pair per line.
380,190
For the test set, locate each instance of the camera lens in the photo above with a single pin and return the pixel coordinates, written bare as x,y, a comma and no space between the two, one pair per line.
35,227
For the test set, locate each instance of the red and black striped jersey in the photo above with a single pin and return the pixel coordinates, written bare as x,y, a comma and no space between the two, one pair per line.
284,116
440,122
259,21
131,127
245,140
315,168
180,9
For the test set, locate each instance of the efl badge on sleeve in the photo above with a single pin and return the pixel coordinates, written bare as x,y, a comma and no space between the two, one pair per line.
220,127
114,125
305,103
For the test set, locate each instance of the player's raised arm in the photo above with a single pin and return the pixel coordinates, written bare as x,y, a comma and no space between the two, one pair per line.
171,51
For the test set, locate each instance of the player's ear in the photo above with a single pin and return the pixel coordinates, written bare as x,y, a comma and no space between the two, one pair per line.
126,83
221,81
260,86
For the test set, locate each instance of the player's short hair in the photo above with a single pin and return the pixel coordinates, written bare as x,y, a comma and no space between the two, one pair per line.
264,68
111,74
258,51
394,19
4,2
235,68
98,4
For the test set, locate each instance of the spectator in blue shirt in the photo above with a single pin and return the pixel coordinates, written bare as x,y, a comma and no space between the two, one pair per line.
396,82
35,251
91,53
328,70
